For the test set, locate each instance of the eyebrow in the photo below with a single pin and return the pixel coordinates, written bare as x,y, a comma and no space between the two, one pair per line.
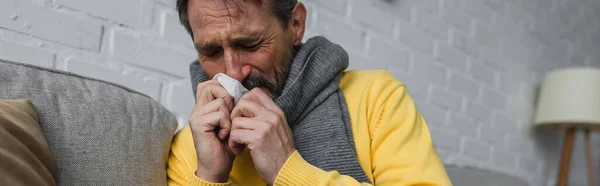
235,42
206,46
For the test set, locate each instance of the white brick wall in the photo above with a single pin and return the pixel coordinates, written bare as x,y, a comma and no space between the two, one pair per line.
55,26
472,66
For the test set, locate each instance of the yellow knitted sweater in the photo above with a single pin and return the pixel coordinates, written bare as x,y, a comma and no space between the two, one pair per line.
393,143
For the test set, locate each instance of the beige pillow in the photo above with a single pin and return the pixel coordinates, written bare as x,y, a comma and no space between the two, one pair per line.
25,158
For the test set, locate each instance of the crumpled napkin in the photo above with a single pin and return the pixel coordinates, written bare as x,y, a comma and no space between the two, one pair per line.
233,87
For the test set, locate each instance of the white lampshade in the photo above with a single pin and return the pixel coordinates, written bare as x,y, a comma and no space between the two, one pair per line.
570,98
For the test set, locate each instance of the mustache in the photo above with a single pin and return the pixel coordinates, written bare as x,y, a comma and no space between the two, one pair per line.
257,79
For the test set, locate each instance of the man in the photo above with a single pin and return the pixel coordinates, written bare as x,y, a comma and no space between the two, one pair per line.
305,121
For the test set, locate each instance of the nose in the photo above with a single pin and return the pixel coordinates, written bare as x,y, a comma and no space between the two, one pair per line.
235,67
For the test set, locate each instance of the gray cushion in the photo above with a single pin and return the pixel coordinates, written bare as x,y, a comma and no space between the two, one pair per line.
99,133
469,176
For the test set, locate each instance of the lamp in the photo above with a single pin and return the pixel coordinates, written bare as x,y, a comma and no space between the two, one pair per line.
570,100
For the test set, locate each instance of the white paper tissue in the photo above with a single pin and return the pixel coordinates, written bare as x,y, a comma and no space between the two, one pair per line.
233,87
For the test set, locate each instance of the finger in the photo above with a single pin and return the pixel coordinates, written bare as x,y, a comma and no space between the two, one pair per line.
244,123
209,122
246,108
261,97
251,96
201,91
217,105
238,149
210,90
240,138
212,106
224,125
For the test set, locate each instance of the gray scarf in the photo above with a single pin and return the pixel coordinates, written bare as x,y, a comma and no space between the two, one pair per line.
315,107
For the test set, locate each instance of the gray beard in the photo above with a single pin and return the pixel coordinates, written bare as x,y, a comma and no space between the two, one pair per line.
257,79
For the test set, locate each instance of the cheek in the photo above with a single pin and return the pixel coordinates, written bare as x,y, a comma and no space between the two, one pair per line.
262,60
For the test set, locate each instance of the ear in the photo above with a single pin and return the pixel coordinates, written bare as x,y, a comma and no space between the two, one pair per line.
297,24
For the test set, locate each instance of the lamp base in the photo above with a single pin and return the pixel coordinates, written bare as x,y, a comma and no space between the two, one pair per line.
565,160
590,162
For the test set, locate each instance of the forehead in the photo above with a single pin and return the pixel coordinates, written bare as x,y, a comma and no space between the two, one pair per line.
210,17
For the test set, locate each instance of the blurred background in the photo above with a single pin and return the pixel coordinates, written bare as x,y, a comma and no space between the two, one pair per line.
473,67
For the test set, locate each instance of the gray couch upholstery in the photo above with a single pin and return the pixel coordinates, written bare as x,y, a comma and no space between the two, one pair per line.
470,176
99,133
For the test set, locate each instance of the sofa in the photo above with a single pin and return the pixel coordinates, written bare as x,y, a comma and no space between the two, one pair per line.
101,133
98,133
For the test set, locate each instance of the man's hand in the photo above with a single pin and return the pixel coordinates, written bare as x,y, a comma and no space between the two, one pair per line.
211,124
261,126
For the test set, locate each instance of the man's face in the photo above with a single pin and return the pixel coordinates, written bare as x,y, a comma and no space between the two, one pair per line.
242,39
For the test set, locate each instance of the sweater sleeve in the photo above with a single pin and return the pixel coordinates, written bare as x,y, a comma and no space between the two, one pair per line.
180,171
402,151
296,171
199,182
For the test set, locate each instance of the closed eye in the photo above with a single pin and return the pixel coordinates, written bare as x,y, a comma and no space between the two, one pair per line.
209,50
247,43
251,47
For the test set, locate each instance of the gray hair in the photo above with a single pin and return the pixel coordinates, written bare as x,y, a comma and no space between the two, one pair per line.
282,9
